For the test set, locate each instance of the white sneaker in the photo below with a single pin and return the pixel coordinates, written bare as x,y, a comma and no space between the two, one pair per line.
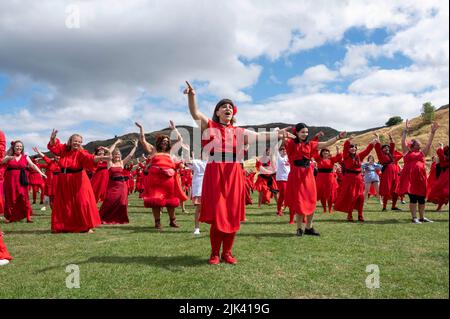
403,202
4,262
416,221
426,220
197,231
44,208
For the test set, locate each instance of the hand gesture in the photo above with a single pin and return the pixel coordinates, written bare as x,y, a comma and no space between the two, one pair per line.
434,127
138,125
319,134
53,135
408,125
35,149
172,125
285,133
342,134
189,90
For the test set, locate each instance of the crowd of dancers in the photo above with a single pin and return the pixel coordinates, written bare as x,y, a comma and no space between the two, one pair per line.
297,172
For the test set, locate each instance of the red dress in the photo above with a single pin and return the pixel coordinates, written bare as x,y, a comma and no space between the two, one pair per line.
301,193
413,179
140,178
431,178
162,185
75,208
2,168
52,173
223,189
114,209
17,202
34,178
325,180
265,183
4,254
351,191
100,181
127,173
389,178
439,191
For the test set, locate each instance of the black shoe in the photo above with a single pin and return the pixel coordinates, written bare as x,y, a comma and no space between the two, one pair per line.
384,209
395,208
311,232
299,232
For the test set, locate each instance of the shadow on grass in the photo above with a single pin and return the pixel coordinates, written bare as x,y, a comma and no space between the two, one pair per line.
171,263
380,222
29,232
149,229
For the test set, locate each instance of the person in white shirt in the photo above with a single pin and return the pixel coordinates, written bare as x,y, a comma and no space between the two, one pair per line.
283,168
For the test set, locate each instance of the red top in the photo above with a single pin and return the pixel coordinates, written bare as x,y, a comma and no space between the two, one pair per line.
443,160
383,158
354,163
73,159
299,151
327,163
223,138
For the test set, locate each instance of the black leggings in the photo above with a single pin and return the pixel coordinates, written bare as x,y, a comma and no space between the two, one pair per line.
414,199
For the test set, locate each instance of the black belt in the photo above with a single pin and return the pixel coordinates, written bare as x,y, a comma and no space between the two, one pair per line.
304,162
325,170
55,173
70,170
119,178
14,169
352,172
222,157
100,168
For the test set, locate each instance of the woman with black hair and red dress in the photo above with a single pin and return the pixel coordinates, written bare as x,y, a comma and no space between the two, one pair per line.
223,190
15,185
351,191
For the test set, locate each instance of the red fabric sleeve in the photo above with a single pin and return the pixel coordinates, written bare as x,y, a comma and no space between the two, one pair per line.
366,152
57,148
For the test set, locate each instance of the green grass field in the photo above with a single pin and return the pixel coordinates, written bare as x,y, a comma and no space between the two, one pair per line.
136,261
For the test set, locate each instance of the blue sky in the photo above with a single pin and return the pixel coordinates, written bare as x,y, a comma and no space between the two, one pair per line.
277,61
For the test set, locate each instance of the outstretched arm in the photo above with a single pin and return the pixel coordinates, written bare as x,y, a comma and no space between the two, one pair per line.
408,127
34,167
130,156
146,145
193,107
112,147
434,128
332,140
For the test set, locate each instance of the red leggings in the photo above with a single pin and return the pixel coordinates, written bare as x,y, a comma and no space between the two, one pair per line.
394,200
282,188
37,188
217,238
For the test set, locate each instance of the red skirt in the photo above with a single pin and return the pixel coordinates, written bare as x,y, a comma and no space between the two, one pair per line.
439,191
413,180
351,193
17,201
35,179
389,180
100,183
223,196
326,186
4,254
75,208
114,209
301,193
161,190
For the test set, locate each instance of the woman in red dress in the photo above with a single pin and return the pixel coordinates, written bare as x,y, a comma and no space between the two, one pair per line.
15,187
75,208
265,183
52,171
161,184
325,179
36,182
301,192
100,178
5,257
431,175
388,157
114,209
413,179
439,191
223,190
128,172
351,191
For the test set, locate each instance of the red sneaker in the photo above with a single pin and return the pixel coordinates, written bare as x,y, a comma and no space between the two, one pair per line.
228,258
214,260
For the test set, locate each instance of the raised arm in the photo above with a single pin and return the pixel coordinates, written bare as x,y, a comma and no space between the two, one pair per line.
145,145
367,150
434,128
131,154
54,144
112,147
332,140
193,107
34,167
6,159
251,137
407,128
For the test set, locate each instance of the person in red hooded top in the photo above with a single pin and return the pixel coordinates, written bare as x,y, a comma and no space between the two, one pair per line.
265,183
388,157
413,178
325,179
439,191
5,257
15,187
301,192
223,189
36,182
351,191
162,187
52,171
75,208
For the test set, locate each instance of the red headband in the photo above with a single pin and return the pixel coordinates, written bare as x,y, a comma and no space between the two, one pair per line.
12,143
294,130
234,109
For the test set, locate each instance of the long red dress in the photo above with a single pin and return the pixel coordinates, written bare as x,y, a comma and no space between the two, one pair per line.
439,191
139,179
351,191
223,189
114,209
100,181
17,202
301,193
325,180
75,208
413,178
390,173
265,183
2,168
127,172
162,185
52,171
